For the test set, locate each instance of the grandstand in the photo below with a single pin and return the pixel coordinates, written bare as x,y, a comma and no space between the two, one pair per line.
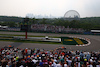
56,29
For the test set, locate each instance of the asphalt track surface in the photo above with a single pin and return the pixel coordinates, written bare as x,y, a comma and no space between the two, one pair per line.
94,46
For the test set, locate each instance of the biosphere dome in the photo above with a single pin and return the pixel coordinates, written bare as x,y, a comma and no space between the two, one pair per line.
72,14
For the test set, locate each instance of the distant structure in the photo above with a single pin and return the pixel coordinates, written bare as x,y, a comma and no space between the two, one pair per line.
29,15
72,15
3,27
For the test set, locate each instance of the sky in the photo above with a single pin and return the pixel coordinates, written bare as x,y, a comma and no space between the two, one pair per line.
57,8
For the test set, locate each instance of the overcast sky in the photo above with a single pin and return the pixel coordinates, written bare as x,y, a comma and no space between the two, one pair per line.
57,8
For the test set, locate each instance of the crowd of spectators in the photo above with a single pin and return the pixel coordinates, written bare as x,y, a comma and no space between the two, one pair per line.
52,28
48,28
59,57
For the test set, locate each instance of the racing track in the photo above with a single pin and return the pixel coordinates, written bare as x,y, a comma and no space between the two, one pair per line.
94,46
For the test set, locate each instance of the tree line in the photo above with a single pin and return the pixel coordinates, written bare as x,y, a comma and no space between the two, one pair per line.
87,23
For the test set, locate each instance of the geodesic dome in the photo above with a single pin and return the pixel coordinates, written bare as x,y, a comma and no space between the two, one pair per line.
72,14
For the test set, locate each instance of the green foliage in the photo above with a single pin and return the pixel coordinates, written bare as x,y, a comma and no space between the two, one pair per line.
87,23
9,24
11,19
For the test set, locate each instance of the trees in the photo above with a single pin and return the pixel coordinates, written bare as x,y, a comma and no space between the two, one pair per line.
84,23
9,24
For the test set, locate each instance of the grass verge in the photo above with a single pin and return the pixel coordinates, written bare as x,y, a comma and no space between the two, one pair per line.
30,41
27,35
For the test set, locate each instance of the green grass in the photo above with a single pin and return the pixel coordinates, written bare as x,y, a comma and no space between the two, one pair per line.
8,38
66,40
27,35
30,41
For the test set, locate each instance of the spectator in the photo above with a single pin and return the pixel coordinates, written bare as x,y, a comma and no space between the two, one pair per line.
44,58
